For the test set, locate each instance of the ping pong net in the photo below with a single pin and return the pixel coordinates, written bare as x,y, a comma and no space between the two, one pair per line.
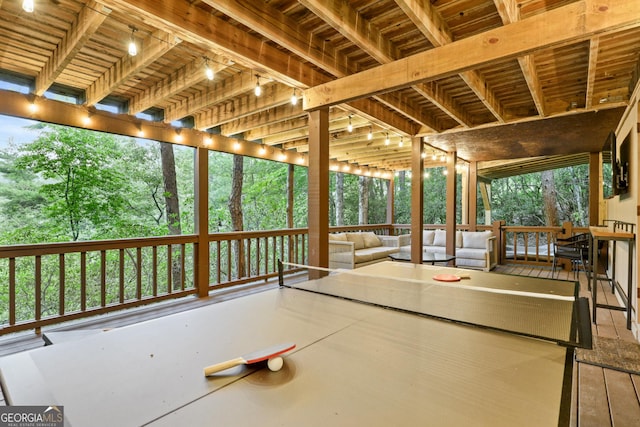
539,308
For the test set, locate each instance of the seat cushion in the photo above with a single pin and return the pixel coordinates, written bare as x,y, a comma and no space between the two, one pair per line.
475,263
369,254
471,253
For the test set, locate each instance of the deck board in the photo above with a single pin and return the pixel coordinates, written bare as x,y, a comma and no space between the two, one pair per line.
593,406
623,401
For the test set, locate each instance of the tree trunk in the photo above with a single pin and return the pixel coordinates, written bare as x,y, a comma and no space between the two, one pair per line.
550,197
339,199
172,207
235,209
363,208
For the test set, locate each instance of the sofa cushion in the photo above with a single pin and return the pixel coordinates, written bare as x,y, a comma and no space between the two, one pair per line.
369,254
467,262
475,239
341,237
371,240
341,257
357,239
427,237
439,238
471,253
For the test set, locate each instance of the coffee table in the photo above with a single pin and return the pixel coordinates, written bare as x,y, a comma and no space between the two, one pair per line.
431,258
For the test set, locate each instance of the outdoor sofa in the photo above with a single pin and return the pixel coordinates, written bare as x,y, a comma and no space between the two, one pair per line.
356,249
474,249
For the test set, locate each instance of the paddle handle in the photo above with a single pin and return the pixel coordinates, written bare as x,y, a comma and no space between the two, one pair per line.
223,365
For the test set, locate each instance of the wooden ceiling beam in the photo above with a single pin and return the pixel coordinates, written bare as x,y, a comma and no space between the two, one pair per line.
279,121
152,47
510,12
336,127
594,47
85,25
196,25
220,92
287,33
436,30
284,117
273,95
368,37
187,76
564,25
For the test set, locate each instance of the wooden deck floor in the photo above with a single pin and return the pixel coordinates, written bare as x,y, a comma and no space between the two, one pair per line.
602,397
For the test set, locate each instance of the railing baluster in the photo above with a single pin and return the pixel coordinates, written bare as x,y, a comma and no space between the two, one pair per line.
12,291
154,268
38,287
103,278
183,263
218,261
138,273
121,275
169,268
83,281
61,280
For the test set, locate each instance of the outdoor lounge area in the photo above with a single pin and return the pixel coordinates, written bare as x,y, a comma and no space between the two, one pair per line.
188,184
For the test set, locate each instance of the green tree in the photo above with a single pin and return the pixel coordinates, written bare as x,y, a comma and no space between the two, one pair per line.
82,185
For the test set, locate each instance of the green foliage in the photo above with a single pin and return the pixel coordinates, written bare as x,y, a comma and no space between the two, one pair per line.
518,199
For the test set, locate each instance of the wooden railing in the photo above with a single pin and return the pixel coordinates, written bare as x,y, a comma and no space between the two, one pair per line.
532,245
43,284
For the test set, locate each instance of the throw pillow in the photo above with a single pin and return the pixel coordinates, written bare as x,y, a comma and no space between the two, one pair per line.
371,240
356,238
341,237
427,237
440,238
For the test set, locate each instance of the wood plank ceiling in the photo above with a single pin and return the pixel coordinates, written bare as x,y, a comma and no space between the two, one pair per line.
556,100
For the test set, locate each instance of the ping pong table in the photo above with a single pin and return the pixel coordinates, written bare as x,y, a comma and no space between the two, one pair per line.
381,345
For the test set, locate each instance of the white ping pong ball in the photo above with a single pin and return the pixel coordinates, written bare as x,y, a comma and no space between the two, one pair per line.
275,364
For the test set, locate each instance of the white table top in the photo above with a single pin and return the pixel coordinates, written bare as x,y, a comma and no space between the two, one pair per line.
354,364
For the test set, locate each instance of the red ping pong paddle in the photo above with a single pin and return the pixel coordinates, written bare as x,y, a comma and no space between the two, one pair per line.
255,357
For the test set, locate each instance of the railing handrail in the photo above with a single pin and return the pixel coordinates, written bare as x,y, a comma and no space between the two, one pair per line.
111,271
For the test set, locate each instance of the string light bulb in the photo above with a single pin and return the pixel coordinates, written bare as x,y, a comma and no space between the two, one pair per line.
208,71
133,48
370,134
294,98
387,141
28,6
258,90
401,143
350,126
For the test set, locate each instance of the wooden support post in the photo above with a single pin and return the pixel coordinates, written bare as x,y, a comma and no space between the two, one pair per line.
318,190
202,267
417,199
595,187
472,192
452,159
390,202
